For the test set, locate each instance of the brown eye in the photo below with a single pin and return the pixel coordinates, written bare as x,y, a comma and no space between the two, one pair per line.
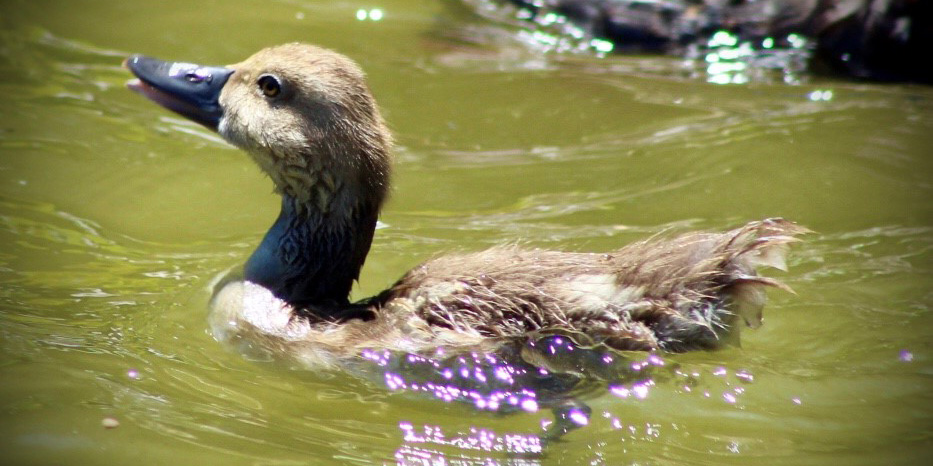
269,85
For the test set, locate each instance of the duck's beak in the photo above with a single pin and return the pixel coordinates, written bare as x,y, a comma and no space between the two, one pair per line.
190,90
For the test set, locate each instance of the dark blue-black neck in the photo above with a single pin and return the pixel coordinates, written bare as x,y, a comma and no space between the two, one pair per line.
311,258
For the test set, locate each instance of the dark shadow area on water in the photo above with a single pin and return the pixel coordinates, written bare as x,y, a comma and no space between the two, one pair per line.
726,42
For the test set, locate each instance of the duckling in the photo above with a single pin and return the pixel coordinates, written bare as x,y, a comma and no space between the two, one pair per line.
306,116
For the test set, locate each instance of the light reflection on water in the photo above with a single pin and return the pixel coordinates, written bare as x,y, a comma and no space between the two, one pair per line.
727,60
721,59
550,372
114,217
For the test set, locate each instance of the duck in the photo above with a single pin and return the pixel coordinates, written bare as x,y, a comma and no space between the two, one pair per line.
306,116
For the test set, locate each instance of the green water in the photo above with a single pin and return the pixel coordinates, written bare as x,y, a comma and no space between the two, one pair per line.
115,216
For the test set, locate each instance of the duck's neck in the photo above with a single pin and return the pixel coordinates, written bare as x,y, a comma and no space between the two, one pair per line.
310,258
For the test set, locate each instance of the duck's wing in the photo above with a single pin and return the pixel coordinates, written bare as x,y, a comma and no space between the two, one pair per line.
673,294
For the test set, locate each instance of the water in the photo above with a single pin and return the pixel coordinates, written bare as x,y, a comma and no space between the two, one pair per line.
115,216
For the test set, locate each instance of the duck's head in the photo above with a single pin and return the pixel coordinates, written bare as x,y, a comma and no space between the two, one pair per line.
304,114
307,117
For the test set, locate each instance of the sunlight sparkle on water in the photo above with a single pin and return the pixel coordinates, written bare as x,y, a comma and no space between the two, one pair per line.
641,390
602,46
579,417
731,60
723,38
821,95
638,390
477,439
374,14
478,379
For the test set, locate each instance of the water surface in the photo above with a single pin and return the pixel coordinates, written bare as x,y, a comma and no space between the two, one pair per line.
115,216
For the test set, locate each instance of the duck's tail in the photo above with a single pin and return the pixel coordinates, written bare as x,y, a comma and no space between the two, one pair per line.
762,243
695,287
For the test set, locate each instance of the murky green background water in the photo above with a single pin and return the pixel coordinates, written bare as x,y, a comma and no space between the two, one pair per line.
115,216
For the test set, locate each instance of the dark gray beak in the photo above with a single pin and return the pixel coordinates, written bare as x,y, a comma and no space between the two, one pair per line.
187,89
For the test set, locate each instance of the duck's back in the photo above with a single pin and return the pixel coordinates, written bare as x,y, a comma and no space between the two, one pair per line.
676,294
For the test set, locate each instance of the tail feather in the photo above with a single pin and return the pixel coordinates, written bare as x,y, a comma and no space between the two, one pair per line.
770,251
767,245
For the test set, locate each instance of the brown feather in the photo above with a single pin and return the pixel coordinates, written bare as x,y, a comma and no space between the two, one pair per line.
676,294
324,144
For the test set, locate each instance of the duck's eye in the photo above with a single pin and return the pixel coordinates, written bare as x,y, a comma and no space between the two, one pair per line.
269,85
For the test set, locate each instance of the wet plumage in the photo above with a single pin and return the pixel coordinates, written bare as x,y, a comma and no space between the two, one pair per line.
306,116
